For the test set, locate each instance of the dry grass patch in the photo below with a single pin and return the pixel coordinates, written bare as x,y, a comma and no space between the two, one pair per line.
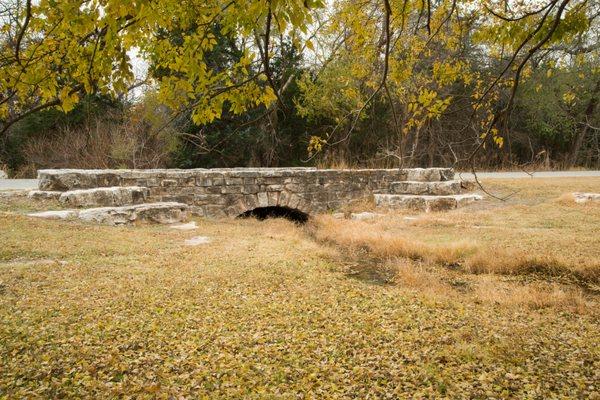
20,203
536,295
366,236
532,232
547,250
379,241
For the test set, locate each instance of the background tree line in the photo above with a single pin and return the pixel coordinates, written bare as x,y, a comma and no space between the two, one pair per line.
491,84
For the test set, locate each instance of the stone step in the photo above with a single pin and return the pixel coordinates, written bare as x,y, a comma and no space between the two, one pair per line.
427,188
429,174
105,196
44,194
160,213
425,203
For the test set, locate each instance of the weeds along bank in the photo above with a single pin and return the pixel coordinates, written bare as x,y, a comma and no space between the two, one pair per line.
535,233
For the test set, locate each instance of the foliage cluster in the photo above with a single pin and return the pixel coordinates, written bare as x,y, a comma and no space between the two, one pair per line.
271,82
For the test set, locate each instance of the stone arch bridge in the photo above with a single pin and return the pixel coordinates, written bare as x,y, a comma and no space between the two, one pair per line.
233,192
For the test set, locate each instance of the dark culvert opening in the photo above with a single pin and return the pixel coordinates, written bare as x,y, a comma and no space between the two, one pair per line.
262,213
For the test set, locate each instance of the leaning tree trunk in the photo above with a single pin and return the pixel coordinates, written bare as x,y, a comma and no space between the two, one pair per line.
582,133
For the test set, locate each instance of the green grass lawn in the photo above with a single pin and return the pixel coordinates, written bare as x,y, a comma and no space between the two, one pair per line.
265,310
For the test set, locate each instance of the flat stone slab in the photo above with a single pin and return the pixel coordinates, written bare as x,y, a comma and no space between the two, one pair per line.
424,203
44,194
197,240
586,197
190,226
426,188
429,174
364,216
105,196
59,214
161,213
70,179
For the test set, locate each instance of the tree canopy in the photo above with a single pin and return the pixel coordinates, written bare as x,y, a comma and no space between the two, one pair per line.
418,69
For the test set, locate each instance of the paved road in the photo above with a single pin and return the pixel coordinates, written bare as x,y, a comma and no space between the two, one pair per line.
16,184
28,184
539,174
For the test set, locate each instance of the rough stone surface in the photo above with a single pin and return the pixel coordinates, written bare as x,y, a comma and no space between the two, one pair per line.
231,192
190,226
110,196
363,216
585,197
162,213
430,188
44,194
425,203
60,214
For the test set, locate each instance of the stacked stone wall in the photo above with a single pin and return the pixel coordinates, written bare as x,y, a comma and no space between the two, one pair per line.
231,192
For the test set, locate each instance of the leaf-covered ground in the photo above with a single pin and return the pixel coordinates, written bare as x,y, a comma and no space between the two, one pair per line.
263,311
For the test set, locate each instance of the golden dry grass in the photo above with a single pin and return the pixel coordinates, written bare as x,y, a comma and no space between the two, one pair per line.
266,311
534,232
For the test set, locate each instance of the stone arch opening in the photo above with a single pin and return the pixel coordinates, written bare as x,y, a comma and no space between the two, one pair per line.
262,213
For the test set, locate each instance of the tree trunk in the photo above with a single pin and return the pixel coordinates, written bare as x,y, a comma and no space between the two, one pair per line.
581,134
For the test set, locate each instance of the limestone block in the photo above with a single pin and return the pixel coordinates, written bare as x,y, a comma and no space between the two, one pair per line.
586,197
44,195
284,198
263,199
273,198
234,181
161,213
251,201
59,214
169,182
431,188
424,202
465,199
250,189
364,216
232,189
112,196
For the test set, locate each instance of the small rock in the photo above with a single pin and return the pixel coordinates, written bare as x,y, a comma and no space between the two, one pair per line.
364,216
338,215
185,227
197,240
3,175
585,197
